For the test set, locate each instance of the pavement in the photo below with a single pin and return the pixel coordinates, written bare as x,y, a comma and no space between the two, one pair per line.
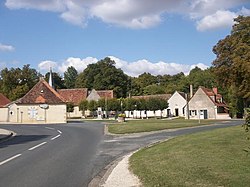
5,134
120,175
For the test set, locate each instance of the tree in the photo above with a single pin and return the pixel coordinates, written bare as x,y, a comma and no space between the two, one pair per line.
57,80
16,82
232,63
92,106
70,77
129,104
153,89
157,104
146,79
104,76
70,107
198,77
83,106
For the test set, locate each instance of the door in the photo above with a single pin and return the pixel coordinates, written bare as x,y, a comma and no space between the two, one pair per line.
176,112
205,114
201,114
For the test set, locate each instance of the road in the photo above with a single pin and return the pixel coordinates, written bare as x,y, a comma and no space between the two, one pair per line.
70,154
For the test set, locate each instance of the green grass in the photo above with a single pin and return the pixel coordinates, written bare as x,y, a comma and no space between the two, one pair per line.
214,158
135,126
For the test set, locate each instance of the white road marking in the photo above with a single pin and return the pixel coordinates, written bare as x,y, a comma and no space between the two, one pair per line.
32,148
56,137
50,128
109,141
9,159
59,131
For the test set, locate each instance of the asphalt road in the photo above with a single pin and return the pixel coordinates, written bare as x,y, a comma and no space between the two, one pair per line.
71,154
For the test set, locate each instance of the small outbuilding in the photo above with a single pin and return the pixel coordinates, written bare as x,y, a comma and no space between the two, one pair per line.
176,105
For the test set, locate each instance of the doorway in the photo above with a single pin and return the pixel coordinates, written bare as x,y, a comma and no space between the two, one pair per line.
176,112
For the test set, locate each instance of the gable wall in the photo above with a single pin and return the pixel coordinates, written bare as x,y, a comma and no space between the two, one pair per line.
200,101
177,102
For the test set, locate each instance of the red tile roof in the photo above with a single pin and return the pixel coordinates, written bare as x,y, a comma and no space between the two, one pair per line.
162,96
215,97
41,93
105,93
3,100
74,96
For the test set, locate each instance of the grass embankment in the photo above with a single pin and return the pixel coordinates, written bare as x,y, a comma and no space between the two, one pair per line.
135,126
214,158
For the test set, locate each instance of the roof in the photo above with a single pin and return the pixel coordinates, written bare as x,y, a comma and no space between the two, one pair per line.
182,94
74,96
41,93
216,98
162,96
109,94
3,100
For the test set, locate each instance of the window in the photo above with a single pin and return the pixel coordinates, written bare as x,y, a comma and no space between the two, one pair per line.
193,112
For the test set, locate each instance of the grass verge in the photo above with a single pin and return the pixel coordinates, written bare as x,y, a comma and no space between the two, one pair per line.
135,126
214,158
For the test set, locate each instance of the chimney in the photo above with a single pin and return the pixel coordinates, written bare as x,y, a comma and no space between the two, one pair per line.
191,90
215,90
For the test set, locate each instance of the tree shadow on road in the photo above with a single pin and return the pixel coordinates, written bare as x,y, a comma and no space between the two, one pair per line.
21,139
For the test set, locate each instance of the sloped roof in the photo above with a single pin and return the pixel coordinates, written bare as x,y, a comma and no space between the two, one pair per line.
162,96
3,100
182,94
217,100
93,95
109,94
74,96
41,93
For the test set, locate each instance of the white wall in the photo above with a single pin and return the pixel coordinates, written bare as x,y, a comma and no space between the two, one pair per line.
176,101
3,114
35,114
75,113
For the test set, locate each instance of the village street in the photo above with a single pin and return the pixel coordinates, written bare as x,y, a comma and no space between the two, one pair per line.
71,154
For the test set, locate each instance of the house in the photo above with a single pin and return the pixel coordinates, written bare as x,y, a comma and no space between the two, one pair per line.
207,104
176,104
74,96
98,94
3,110
148,113
42,104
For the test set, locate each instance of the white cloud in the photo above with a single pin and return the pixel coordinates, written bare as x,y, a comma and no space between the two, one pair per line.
220,19
79,64
159,68
138,14
6,47
45,5
133,69
46,65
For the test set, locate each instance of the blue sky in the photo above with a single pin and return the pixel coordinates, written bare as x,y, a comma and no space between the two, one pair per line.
159,37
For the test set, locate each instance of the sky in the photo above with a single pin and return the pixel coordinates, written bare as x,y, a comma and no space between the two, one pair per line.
158,37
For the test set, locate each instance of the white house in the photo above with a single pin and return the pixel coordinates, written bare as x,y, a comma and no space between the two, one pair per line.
207,104
176,104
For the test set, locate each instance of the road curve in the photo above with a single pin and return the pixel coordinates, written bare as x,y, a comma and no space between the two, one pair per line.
71,154
49,155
